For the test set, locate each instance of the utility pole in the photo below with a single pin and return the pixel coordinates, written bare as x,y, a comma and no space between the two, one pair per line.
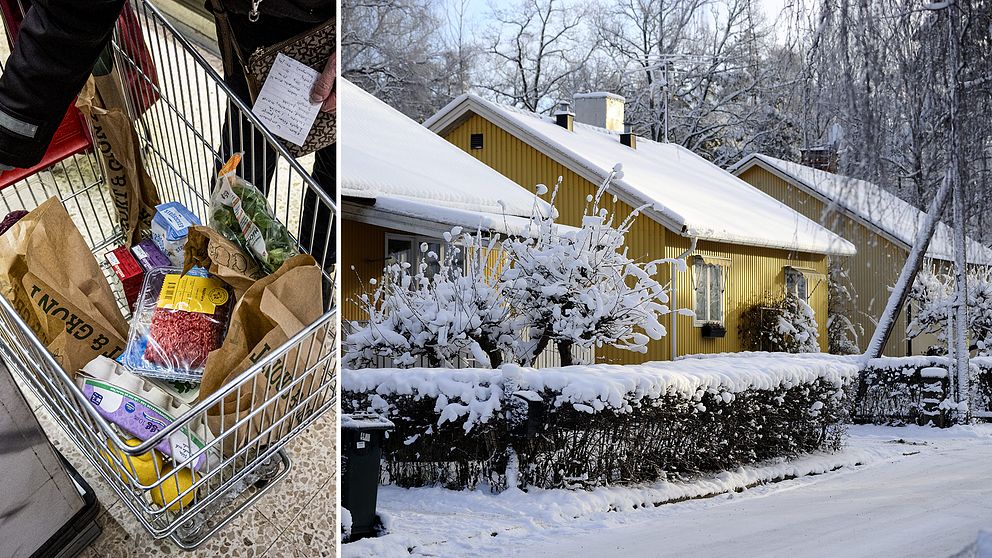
960,340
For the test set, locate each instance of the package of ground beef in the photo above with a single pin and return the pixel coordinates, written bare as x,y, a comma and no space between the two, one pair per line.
178,320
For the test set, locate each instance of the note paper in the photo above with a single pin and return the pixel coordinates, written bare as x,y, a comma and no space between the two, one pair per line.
283,104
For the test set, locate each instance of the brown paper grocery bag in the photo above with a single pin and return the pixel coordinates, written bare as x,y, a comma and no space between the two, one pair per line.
53,281
133,191
209,249
271,311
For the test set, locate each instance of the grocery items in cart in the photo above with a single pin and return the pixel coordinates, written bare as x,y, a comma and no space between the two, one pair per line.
178,320
178,140
129,272
149,255
169,229
241,213
53,281
141,408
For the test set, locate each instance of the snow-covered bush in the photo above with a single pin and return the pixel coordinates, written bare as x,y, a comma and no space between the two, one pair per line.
933,297
843,332
585,426
786,325
552,286
438,313
579,287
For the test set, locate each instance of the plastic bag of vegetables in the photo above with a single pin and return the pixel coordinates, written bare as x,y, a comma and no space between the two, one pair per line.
240,213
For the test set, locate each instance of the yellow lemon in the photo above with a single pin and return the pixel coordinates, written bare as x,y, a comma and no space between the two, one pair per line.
142,467
173,484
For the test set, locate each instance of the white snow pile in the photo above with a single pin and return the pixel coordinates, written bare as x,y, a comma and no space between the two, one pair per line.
410,171
619,388
475,395
470,394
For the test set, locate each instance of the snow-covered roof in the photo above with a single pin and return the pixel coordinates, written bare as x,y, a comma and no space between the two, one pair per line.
683,191
871,203
413,173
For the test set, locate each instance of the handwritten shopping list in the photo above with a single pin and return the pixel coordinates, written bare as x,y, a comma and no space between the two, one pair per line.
283,104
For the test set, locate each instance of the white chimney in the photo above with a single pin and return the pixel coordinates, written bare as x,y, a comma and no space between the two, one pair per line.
601,109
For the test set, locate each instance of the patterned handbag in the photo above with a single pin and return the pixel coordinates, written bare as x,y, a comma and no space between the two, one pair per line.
311,48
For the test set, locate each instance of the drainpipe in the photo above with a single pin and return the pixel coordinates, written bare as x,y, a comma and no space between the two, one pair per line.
673,330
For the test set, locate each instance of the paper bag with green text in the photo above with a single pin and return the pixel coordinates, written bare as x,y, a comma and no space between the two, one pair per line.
53,281
271,311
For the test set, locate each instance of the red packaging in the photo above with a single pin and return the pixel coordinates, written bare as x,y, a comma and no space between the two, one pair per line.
129,272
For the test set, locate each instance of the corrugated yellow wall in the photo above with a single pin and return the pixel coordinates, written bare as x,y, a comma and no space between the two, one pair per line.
753,271
363,247
873,270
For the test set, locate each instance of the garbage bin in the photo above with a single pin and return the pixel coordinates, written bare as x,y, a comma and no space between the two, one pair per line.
362,435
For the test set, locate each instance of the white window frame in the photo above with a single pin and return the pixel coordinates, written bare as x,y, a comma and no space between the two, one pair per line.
813,280
415,242
708,265
794,288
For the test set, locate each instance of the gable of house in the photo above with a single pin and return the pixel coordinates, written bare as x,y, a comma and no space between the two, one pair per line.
872,271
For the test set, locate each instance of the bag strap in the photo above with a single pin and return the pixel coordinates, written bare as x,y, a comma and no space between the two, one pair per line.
231,53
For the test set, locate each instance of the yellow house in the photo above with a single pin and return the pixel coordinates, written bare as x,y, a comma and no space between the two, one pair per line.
882,226
740,242
402,186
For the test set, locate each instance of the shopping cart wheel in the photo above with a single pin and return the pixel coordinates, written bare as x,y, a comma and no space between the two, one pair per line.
268,469
189,531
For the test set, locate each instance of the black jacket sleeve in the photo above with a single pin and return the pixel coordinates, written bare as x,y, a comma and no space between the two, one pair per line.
54,53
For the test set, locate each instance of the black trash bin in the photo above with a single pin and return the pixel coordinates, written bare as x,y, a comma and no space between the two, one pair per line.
362,435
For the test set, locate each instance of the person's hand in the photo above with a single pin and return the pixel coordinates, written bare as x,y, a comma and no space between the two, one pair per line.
323,91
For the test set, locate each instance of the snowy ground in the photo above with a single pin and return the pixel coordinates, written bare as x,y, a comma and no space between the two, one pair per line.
898,492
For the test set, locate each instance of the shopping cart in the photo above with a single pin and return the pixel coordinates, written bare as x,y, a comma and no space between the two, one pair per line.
179,102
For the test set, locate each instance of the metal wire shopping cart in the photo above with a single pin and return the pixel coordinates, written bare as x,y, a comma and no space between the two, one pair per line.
179,104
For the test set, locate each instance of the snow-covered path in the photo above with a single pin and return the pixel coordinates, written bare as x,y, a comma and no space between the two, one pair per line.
921,492
929,504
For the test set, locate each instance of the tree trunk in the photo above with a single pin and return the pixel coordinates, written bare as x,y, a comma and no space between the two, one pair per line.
565,352
538,349
492,351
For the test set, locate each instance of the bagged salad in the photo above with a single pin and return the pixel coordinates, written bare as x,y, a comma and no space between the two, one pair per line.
177,321
241,213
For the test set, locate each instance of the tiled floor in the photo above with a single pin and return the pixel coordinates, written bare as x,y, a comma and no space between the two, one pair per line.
297,518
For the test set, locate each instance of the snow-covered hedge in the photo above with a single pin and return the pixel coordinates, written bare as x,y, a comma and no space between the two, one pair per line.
898,389
602,424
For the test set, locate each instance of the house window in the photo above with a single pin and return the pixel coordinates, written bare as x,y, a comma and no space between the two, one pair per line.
415,251
797,283
709,285
475,141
